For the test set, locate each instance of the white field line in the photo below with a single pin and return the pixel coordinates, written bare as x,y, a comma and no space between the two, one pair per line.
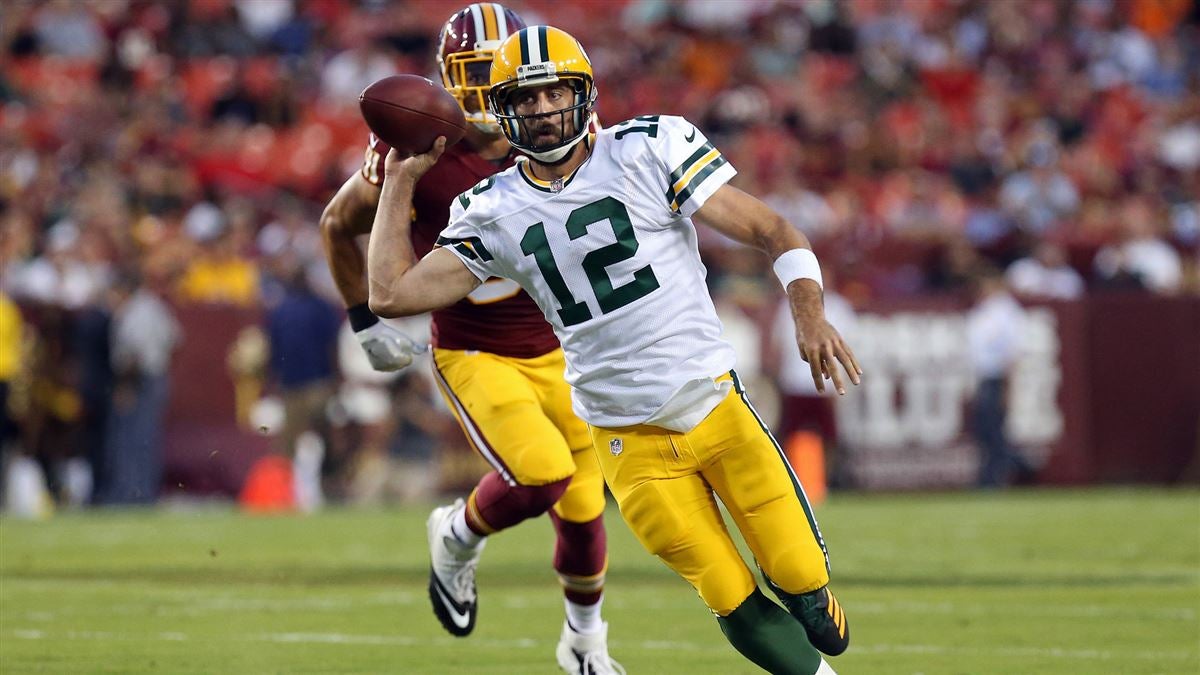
201,603
1062,611
529,643
205,606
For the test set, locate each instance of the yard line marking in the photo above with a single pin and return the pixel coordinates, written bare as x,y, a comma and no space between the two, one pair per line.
201,602
396,640
1069,611
338,638
530,643
1026,652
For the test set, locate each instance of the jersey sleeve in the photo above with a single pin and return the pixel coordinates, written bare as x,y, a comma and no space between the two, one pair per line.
373,158
462,238
693,169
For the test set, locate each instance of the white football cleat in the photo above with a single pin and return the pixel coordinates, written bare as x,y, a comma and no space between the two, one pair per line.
452,572
580,654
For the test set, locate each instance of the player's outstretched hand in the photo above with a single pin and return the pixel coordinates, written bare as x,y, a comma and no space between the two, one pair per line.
387,349
823,348
415,166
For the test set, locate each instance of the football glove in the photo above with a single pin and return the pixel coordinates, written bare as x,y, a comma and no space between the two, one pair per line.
387,349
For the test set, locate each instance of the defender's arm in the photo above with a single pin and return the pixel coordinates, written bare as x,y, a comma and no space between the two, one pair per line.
349,214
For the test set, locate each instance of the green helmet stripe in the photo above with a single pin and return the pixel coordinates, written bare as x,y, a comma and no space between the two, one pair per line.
544,44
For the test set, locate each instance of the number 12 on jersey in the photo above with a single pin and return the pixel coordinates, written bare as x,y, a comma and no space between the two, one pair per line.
594,264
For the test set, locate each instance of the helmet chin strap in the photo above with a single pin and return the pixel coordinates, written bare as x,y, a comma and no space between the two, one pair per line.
558,154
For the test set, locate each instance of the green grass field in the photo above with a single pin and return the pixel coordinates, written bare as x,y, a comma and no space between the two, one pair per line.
1104,581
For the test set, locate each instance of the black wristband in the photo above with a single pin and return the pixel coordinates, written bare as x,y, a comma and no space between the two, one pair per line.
361,317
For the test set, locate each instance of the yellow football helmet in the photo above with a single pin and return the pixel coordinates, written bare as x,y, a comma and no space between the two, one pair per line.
465,47
534,57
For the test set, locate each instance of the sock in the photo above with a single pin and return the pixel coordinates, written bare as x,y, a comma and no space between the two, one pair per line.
767,635
580,558
462,531
825,669
584,619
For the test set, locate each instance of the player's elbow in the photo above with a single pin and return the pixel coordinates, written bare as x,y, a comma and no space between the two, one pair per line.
331,223
387,307
393,305
346,216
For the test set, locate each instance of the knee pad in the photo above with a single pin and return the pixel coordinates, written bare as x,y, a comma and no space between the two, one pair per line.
725,586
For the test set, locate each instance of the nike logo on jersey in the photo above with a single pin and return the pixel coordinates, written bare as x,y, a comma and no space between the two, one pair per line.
691,137
459,614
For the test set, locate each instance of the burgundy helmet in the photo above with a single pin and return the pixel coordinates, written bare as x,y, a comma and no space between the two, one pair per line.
464,57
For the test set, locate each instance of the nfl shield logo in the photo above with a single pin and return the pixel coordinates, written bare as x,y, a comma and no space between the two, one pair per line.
556,185
615,446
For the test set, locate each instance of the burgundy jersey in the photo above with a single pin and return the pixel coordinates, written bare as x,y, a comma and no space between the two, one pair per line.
498,317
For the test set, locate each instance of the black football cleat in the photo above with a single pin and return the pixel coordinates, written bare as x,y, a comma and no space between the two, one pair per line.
822,616
823,619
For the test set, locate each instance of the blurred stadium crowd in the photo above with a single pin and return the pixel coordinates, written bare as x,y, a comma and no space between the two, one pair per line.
183,151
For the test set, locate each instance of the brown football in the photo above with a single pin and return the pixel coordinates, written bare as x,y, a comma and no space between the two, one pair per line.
409,112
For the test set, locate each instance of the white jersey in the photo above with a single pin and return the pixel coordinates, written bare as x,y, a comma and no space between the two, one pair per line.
609,253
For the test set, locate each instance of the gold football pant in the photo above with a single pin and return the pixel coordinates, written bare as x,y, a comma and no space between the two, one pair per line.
517,414
665,482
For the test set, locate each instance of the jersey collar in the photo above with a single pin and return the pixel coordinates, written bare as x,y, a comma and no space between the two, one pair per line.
552,187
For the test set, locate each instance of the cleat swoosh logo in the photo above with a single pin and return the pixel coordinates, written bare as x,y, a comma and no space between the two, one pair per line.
459,614
691,137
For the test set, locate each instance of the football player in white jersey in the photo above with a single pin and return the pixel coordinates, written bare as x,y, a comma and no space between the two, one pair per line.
598,228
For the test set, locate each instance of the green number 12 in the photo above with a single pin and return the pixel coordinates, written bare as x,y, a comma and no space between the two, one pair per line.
609,298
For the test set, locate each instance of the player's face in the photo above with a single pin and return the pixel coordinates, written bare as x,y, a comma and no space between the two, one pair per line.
541,107
477,76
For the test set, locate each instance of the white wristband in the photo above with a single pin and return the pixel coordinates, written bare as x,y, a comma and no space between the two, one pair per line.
798,263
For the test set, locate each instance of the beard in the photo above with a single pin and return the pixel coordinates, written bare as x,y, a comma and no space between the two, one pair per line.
548,130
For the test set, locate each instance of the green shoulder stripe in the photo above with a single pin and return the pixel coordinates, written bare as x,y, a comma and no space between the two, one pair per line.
687,163
679,200
471,248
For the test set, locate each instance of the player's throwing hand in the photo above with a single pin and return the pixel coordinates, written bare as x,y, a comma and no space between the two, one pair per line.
415,166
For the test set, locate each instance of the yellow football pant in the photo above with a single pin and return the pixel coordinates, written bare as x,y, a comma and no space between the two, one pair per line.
517,414
665,482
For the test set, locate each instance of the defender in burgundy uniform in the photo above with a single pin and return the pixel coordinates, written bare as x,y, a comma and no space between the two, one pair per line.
498,317
499,367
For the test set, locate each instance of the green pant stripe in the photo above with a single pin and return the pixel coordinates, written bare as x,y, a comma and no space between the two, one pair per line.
808,512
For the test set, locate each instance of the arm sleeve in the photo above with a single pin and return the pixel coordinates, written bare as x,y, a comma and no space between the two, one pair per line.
373,159
692,168
462,238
